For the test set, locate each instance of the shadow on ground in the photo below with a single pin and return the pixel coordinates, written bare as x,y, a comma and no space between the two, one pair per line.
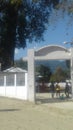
8,110
43,101
44,98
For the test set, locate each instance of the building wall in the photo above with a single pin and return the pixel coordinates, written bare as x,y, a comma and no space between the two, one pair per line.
15,91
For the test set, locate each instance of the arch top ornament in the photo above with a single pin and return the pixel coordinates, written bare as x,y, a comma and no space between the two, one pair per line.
49,49
52,52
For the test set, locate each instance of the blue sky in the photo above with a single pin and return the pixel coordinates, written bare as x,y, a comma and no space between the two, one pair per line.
57,33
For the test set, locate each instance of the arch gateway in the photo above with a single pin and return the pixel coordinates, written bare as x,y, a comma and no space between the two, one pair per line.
53,52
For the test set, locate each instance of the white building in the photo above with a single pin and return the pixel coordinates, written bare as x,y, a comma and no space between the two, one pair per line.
13,83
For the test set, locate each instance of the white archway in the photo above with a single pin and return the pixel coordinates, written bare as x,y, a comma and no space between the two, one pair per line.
53,52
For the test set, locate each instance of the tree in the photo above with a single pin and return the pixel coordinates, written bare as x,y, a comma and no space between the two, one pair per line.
60,75
20,63
68,64
21,20
44,73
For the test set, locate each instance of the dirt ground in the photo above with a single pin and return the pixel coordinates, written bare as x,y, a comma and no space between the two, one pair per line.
46,114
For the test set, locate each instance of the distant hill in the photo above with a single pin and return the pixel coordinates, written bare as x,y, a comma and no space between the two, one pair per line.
53,64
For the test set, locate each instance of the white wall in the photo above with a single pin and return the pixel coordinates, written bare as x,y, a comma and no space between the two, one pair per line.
15,91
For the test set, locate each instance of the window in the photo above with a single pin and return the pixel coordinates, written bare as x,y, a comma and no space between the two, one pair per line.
20,79
10,80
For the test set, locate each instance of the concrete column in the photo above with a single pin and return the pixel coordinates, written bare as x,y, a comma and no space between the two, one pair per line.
31,76
72,69
15,84
14,79
5,84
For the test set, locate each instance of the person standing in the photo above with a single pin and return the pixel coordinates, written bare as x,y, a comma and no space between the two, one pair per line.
52,88
67,90
57,90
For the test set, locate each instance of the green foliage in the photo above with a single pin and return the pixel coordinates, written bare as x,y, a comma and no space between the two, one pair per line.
25,20
44,72
21,20
68,63
20,63
60,75
66,5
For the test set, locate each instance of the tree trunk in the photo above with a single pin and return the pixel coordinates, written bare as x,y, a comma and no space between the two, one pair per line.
7,58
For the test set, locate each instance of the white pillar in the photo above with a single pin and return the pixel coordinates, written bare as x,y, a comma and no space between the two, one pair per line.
14,79
72,69
5,83
26,85
31,76
15,85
